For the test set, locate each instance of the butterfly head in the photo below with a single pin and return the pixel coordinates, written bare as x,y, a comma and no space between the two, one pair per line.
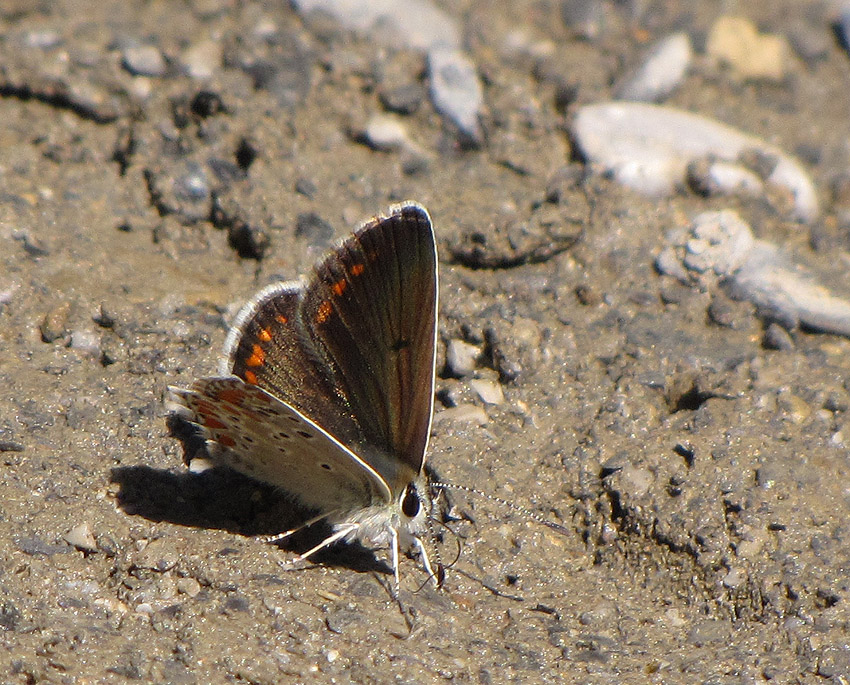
415,529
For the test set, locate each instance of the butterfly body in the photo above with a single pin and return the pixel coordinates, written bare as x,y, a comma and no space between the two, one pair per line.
326,387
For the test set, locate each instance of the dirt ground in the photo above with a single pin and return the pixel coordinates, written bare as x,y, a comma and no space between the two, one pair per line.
702,475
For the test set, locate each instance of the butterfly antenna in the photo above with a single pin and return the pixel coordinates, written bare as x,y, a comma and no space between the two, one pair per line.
505,503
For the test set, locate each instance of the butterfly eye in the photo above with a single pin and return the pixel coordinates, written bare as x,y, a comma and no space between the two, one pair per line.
410,502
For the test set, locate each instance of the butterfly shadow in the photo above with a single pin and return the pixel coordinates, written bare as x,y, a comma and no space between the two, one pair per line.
220,498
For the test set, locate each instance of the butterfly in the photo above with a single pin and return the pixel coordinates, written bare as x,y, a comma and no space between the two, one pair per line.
326,387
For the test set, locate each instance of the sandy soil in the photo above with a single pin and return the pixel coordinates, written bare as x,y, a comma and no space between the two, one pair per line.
703,477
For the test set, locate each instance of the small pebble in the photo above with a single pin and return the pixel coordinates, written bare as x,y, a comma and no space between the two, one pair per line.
193,184
463,413
43,39
734,578
85,341
461,357
386,133
668,262
636,481
490,392
662,71
404,99
736,42
721,313
306,187
584,17
809,41
81,537
713,177
796,409
199,465
158,555
777,338
202,59
456,91
55,323
144,60
721,241
842,28
313,227
188,586
418,24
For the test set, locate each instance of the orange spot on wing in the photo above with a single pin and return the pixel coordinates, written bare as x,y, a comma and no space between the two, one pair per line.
225,440
265,335
258,356
357,269
251,377
340,286
281,318
324,312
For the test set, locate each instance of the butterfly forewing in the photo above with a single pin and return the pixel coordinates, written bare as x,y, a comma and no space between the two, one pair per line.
371,311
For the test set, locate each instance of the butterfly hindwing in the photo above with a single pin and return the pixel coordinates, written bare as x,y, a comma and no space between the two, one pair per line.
258,435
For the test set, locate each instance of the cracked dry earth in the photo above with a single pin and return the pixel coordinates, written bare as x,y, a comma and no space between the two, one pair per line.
702,477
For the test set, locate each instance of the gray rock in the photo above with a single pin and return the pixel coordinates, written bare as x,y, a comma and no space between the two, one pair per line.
809,41
489,391
712,177
385,132
158,555
201,60
662,71
777,338
418,24
584,17
81,537
721,246
44,39
648,148
404,99
461,357
463,413
456,90
721,242
191,184
144,60
188,586
85,341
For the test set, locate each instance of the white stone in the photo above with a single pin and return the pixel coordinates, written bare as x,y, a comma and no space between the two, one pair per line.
456,90
649,147
418,24
662,71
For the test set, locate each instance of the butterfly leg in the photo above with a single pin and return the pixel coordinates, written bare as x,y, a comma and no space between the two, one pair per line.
394,548
285,534
338,535
438,575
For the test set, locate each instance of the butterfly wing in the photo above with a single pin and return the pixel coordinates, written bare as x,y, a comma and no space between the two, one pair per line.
370,310
256,434
268,347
